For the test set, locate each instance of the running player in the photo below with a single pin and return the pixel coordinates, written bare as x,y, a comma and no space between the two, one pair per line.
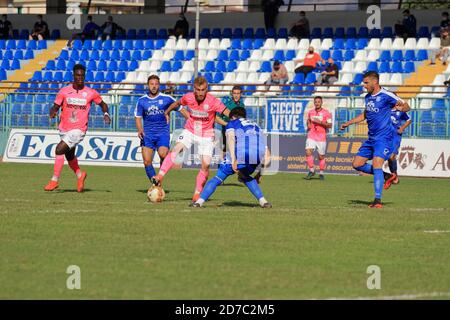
199,130
75,102
155,134
246,149
379,146
401,121
319,121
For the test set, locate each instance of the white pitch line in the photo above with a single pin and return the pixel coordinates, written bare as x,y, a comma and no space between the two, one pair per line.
399,297
436,231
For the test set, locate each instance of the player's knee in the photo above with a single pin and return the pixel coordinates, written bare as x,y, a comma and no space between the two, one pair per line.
147,163
60,150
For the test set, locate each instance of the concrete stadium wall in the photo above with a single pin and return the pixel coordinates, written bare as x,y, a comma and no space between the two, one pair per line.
222,20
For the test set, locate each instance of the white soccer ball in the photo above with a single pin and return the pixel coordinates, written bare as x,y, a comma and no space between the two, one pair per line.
155,194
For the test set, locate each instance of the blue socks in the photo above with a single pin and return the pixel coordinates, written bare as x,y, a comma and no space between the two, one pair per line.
393,165
209,188
378,182
150,171
366,168
254,188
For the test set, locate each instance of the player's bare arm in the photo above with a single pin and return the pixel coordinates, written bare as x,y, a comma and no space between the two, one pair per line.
321,123
231,146
220,121
226,112
173,106
404,126
54,110
402,106
106,116
357,119
139,127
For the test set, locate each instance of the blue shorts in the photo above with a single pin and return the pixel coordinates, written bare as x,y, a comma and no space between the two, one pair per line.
245,170
396,143
380,148
155,141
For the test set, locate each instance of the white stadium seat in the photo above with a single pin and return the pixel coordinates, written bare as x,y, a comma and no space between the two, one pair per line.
361,55
410,44
243,66
203,44
373,55
303,44
374,44
398,44
435,43
254,66
281,44
269,44
168,54
386,44
267,55
292,44
396,79
211,55
225,44
360,67
181,44
316,44
422,43
214,44
326,44
191,44
256,55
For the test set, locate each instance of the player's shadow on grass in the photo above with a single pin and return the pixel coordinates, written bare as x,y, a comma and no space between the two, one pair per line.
239,204
364,202
75,191
232,185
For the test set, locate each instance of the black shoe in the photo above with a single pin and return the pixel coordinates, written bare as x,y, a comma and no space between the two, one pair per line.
267,205
321,177
309,176
387,176
155,182
195,205
376,204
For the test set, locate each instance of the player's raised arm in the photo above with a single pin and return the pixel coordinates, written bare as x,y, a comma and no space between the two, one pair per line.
404,126
173,106
357,119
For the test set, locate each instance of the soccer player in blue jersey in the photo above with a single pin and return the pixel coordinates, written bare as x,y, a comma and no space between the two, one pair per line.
246,150
379,146
155,133
401,121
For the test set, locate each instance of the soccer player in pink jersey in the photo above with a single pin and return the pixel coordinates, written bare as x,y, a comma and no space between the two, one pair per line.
75,102
318,121
199,130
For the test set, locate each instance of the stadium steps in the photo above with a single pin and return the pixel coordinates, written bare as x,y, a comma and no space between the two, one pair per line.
38,63
424,76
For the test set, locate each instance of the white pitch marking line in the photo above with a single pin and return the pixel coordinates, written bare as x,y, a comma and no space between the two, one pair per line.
399,297
436,231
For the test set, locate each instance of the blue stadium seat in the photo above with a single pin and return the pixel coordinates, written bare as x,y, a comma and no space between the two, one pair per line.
373,66
338,44
139,45
18,54
205,33
115,54
11,44
162,34
118,45
409,55
92,65
110,77
107,44
325,54
68,77
99,76
231,66
227,33
152,34
385,67
290,55
248,90
285,90
258,43
260,33
112,66
351,32
221,66
345,91
423,32
208,76
42,45
247,44
387,32
58,76
128,44
349,55
123,65
24,34
95,55
245,54
385,56
397,55
74,55
177,65
327,32
409,67
87,44
56,34
216,33
120,76
165,67
97,45
3,75
159,44
32,45
179,55
316,33
357,79
136,55
358,90
310,78
8,55
218,77
279,55
131,34
5,65
339,33
375,33
126,55
15,65
397,67
299,78
422,55
210,66
363,32
84,55
102,65
48,76
271,33
236,44
61,64
105,55
362,43
190,54
283,33
223,55
266,66
149,44
77,44
337,55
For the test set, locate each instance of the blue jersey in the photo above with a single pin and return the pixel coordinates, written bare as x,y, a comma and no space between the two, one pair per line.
151,110
250,141
378,114
398,118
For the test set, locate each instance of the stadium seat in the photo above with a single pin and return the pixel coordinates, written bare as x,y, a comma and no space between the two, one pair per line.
299,78
409,67
397,67
409,55
316,33
339,32
397,55
387,32
55,34
260,33
363,32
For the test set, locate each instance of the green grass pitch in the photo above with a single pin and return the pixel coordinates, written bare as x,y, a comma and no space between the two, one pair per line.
316,242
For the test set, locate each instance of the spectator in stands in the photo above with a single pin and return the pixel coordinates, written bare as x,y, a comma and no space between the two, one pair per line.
444,50
88,32
271,8
231,102
309,62
40,30
330,75
110,29
181,28
408,27
445,22
169,89
279,74
300,29
5,28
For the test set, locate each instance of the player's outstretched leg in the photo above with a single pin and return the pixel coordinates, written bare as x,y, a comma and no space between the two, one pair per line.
167,164
201,179
254,188
322,166
310,162
73,164
208,190
61,149
393,178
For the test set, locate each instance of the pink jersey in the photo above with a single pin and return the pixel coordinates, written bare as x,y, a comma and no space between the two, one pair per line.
318,132
203,115
75,107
